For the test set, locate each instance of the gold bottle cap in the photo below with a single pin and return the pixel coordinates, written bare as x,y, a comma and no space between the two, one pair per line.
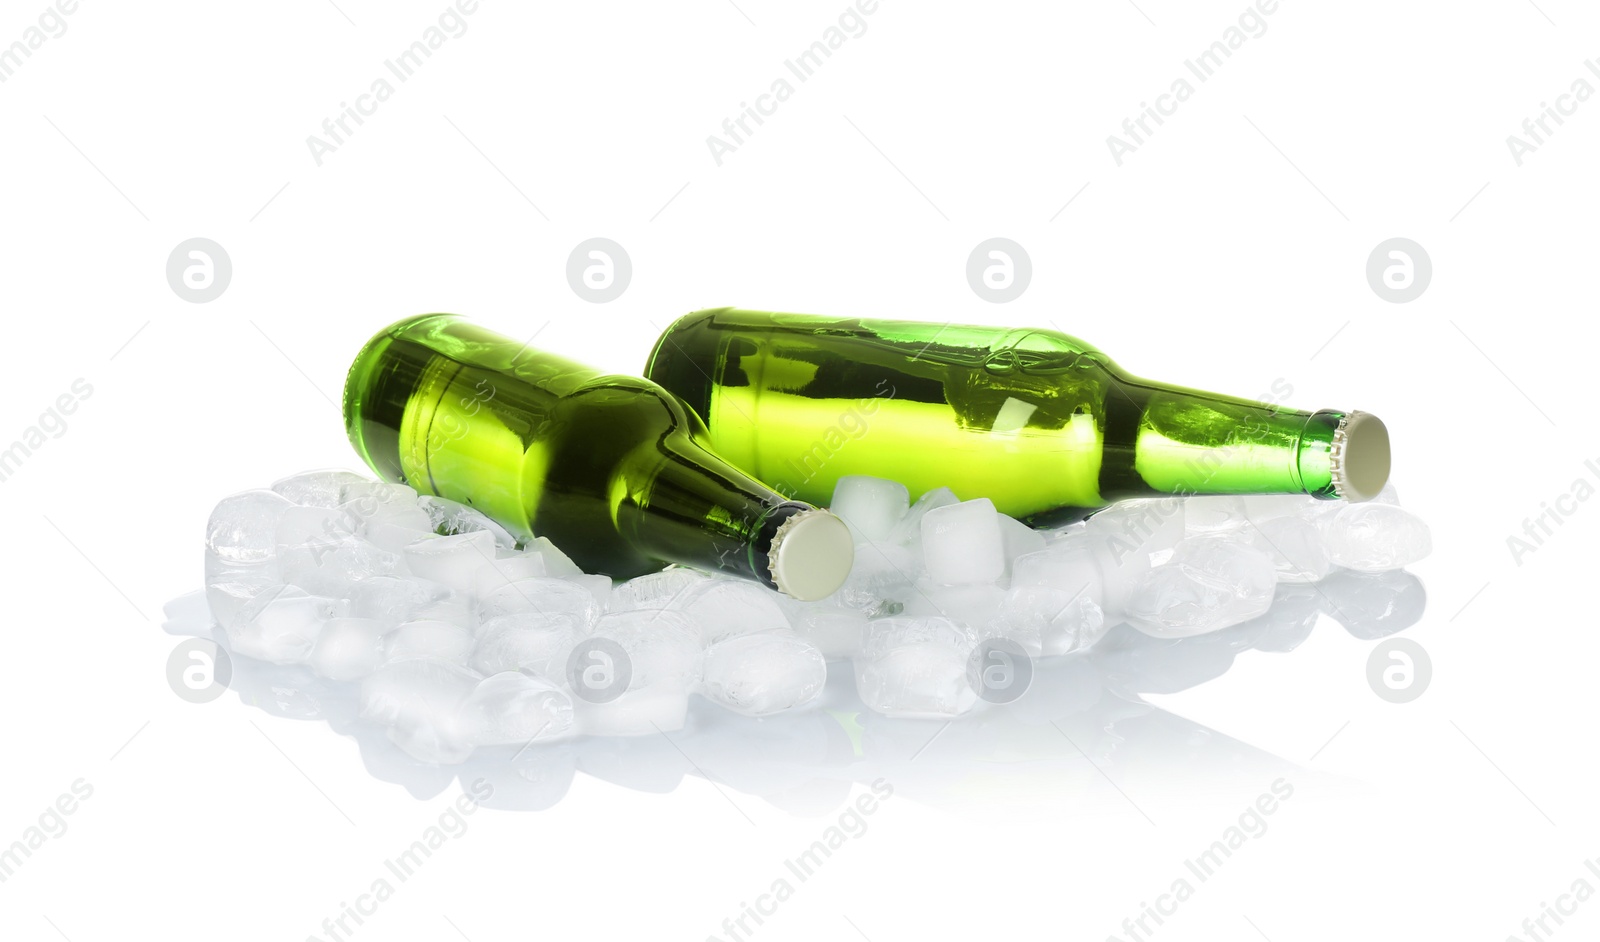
1359,460
811,555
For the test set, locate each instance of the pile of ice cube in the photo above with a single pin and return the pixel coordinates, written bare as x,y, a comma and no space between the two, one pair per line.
460,637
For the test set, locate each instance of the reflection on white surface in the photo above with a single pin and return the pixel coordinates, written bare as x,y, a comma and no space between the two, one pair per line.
1081,727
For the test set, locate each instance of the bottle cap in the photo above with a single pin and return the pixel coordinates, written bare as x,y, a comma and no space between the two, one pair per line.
811,555
1360,456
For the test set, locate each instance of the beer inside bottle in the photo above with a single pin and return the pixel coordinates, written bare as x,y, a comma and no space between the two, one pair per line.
1043,424
613,469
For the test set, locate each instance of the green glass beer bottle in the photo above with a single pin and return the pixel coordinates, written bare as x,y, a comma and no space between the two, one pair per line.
1043,424
612,469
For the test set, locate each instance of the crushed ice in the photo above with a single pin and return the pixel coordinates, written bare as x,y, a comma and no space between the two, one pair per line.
456,636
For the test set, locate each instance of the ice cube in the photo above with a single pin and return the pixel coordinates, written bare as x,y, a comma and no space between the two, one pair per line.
836,632
288,690
763,672
962,543
1213,513
915,667
188,614
1018,540
427,638
243,528
323,526
1295,547
1068,620
1071,533
540,596
645,712
389,516
450,560
281,625
370,498
654,590
969,605
657,665
556,563
879,580
1290,620
722,608
1374,605
1025,629
871,506
1371,537
633,676
1127,539
416,692
504,569
1209,584
420,701
663,647
429,744
309,537
334,569
324,488
348,648
1145,525
391,599
230,591
451,608
539,642
909,529
1259,508
451,517
513,708
1069,566
597,585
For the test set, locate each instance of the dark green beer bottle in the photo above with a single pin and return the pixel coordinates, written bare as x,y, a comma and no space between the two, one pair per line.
1043,424
613,469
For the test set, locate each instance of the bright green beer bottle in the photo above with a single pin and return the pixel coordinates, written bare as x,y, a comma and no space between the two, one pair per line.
612,469
1043,424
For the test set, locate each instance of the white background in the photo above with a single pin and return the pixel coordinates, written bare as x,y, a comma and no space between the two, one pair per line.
1227,252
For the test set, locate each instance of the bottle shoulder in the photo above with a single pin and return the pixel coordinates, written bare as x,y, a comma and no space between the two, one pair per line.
619,404
703,333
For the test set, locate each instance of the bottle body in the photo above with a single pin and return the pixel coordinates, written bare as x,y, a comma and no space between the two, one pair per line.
612,469
1043,424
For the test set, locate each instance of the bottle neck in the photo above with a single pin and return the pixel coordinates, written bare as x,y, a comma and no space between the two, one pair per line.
692,507
1161,439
